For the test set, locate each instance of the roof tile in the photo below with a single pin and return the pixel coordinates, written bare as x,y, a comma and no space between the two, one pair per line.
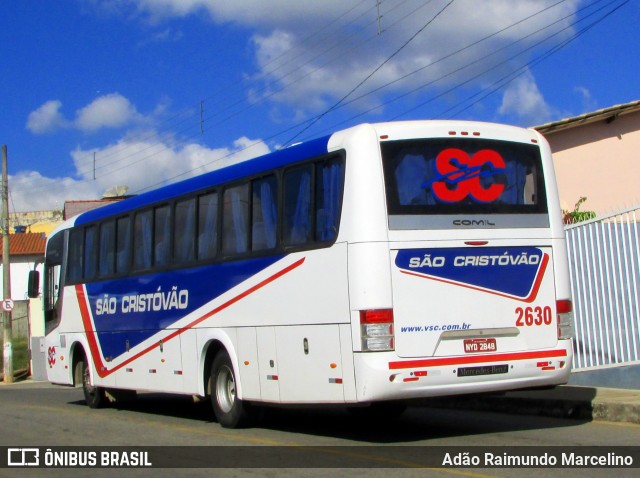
26,244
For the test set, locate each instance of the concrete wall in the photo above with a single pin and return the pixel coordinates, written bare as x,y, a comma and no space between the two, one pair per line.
613,377
19,277
600,161
20,319
37,221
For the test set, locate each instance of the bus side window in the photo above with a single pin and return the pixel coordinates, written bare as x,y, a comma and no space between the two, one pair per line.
76,247
235,220
264,216
329,179
123,245
142,245
207,226
106,264
297,220
52,286
184,232
162,236
90,252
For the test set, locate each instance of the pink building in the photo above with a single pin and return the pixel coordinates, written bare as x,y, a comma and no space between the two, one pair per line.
597,155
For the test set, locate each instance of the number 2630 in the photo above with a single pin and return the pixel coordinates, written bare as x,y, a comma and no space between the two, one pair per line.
529,316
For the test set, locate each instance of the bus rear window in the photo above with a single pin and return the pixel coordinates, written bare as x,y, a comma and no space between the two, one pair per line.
462,177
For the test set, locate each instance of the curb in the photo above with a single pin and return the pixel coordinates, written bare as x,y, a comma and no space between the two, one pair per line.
617,412
18,375
580,403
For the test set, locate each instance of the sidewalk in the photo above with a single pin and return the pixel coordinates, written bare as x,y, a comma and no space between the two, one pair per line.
566,401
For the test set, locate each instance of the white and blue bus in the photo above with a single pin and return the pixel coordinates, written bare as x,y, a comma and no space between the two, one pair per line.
381,263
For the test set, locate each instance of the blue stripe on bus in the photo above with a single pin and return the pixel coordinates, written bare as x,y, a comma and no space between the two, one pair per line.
293,154
128,311
512,271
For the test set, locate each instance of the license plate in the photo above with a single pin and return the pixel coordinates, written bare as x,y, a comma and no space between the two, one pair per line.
484,370
475,346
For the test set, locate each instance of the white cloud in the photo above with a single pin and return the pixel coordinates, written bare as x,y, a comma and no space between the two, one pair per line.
523,100
309,54
310,68
47,118
30,191
249,12
587,101
143,164
108,111
140,165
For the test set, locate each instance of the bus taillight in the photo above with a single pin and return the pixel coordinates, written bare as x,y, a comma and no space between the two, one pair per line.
376,330
564,309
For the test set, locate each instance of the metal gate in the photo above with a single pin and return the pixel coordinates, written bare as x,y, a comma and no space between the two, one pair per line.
604,265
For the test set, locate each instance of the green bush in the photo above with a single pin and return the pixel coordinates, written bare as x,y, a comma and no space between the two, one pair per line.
575,216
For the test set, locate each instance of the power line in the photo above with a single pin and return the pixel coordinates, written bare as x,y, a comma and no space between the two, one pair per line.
491,68
499,84
192,114
218,111
375,70
156,149
433,98
186,173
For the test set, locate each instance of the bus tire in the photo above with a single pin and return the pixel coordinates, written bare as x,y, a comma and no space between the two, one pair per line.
230,411
94,396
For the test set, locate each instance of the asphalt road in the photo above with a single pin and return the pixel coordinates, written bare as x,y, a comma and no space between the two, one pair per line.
41,415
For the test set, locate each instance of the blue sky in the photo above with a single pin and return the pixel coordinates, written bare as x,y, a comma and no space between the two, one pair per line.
102,93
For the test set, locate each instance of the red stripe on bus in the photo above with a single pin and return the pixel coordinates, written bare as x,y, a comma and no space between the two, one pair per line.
476,359
89,331
91,337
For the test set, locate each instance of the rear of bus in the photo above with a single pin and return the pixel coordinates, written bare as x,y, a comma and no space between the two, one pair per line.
474,281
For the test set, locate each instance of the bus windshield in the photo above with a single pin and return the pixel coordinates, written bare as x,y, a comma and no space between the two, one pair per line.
461,177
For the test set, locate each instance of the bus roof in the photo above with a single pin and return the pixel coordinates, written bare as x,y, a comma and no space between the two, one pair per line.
292,154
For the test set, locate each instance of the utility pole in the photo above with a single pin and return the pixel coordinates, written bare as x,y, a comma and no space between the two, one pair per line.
6,277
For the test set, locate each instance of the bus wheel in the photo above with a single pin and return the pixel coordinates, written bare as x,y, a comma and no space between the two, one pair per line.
230,411
94,396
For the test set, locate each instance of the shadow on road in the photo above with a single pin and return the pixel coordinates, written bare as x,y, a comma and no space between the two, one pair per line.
423,420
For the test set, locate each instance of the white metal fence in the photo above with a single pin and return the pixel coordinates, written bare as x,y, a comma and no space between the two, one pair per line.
604,262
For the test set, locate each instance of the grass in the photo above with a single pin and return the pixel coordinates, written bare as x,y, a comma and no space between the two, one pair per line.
20,355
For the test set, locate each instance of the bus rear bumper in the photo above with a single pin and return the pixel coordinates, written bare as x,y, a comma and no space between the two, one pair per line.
385,376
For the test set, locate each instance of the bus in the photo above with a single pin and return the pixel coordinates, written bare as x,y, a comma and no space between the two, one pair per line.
382,263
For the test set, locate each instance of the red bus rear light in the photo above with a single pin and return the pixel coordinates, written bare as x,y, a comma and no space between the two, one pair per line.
376,330
376,316
564,310
564,306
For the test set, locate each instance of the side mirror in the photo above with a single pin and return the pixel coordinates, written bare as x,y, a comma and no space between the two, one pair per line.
34,284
